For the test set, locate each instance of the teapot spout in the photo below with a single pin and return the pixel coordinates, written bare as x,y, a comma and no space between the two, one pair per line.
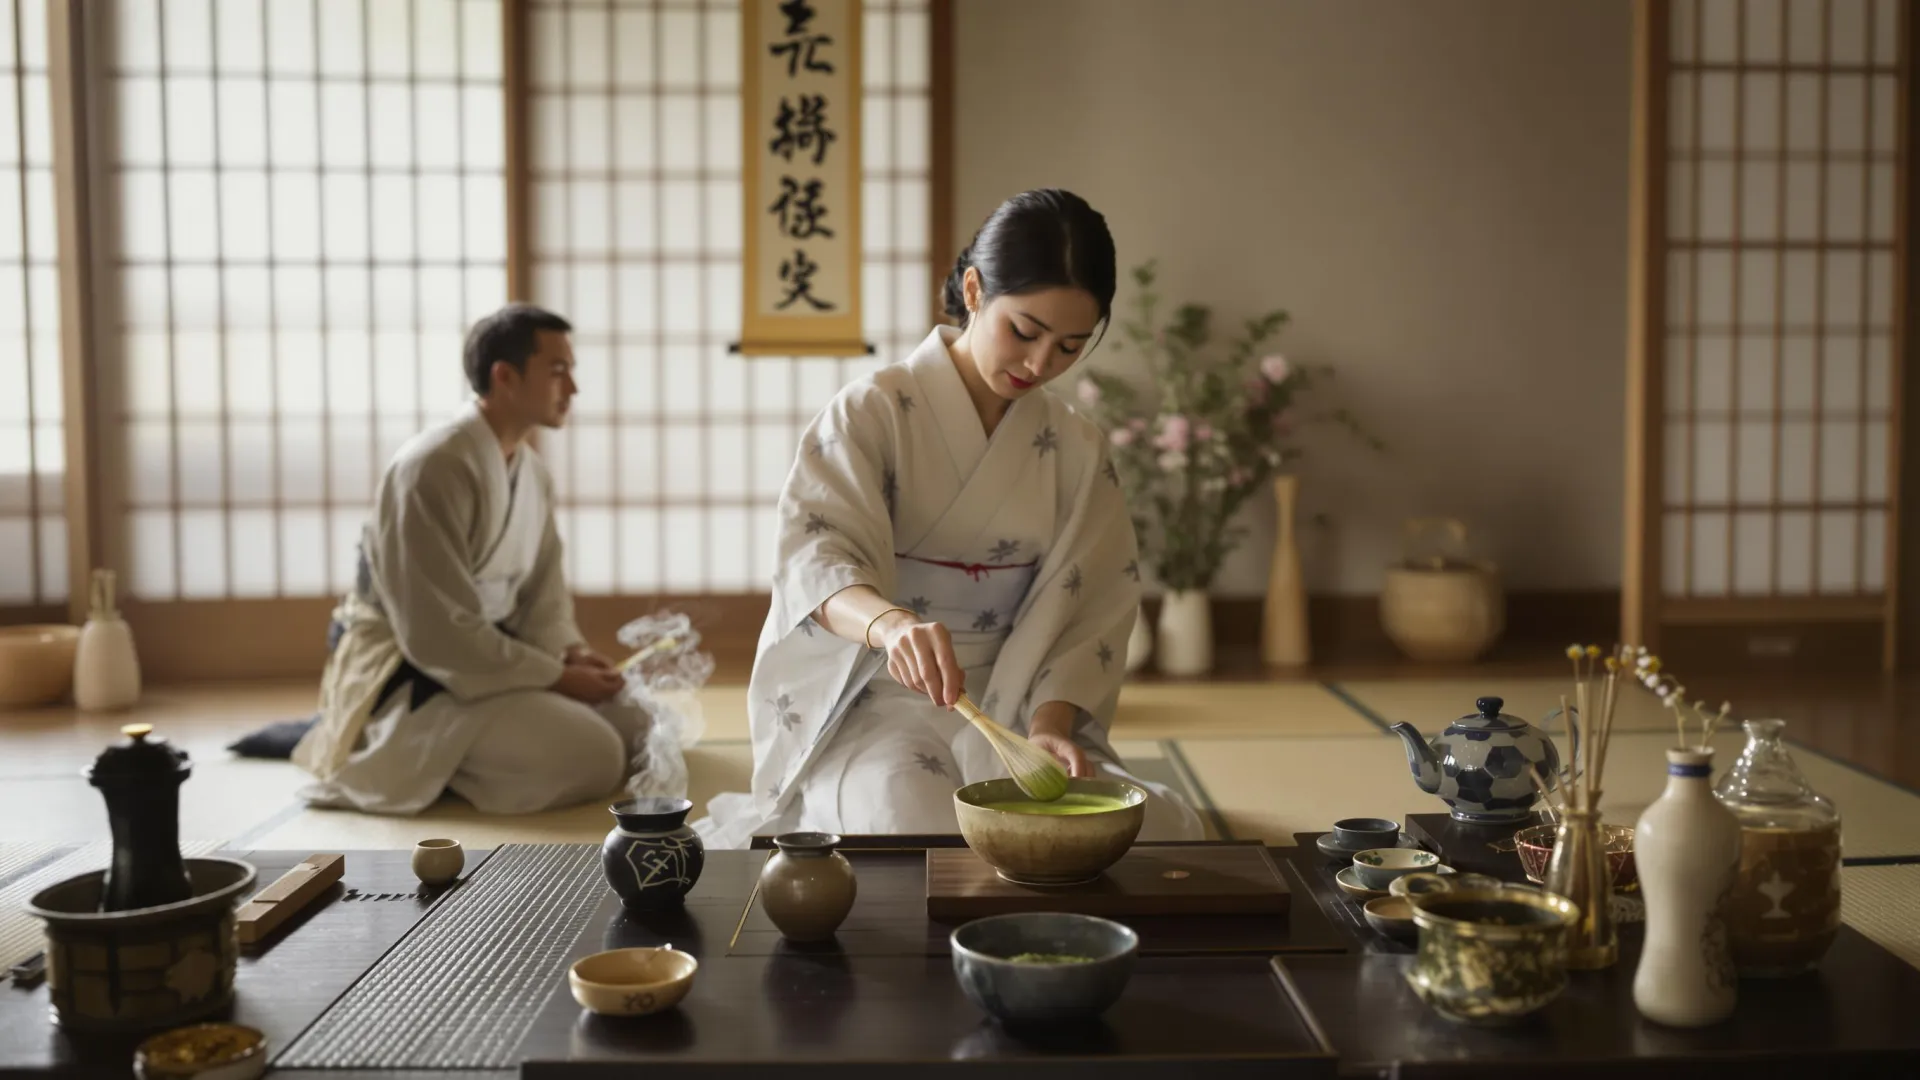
1420,759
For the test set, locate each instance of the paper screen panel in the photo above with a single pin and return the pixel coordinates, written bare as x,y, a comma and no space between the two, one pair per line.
310,214
635,223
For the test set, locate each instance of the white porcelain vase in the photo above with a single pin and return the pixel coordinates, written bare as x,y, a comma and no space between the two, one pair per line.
1686,848
106,666
1186,633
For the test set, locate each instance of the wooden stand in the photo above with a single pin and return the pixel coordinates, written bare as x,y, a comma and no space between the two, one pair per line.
1172,879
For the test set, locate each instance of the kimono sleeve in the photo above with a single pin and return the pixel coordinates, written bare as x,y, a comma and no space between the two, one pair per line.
546,619
835,528
1099,585
421,573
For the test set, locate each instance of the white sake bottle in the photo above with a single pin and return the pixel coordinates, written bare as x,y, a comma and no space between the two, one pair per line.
106,670
1686,849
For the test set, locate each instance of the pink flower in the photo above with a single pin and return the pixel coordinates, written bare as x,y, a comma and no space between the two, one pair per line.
1138,424
1237,477
1256,390
1122,436
1203,432
1089,391
1175,432
1275,368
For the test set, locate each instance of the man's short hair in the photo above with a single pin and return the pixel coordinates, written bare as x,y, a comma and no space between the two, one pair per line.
510,334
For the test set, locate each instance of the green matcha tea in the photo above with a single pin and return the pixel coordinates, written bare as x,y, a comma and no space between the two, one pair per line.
1070,803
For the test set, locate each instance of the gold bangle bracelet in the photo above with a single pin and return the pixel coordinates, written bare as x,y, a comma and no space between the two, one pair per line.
877,618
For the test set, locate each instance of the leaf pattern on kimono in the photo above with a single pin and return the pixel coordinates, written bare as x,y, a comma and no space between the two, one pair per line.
817,524
906,403
860,698
990,702
819,443
988,620
1047,441
1073,582
920,605
806,626
890,488
774,791
1004,550
1105,653
931,764
783,711
1133,570
1113,474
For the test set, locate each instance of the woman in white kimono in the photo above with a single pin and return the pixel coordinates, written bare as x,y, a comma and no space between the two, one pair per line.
949,526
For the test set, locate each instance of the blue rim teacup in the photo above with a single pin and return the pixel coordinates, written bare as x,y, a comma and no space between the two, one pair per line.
1377,867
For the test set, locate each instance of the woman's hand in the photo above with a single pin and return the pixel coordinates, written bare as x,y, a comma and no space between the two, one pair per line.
1051,729
920,657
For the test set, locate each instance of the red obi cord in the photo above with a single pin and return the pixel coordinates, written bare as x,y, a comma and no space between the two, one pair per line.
973,570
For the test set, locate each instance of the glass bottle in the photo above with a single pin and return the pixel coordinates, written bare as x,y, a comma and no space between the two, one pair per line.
1784,911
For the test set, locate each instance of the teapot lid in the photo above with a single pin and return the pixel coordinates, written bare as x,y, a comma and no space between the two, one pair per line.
144,756
1489,709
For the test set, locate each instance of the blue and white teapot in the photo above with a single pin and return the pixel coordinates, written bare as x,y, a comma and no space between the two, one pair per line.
1478,765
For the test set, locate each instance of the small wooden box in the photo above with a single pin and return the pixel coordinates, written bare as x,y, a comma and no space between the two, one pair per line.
1169,879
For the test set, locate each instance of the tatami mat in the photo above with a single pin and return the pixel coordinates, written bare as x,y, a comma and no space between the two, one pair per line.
21,934
1233,710
1432,704
1883,902
1269,789
221,800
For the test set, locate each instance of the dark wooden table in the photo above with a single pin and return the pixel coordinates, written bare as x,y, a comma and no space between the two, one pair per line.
1851,1017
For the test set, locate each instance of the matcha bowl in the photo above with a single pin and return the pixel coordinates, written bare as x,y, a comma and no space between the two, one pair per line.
1066,842
1043,967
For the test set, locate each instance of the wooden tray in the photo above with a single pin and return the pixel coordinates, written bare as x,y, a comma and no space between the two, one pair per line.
1170,879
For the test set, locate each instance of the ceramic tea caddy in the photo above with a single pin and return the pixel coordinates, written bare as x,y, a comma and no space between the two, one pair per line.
1480,764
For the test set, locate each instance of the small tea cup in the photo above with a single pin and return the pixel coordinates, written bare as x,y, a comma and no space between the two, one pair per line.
1362,833
632,982
438,861
1378,867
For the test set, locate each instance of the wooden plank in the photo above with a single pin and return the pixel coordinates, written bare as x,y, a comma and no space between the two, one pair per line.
1159,880
1646,327
515,92
292,892
66,77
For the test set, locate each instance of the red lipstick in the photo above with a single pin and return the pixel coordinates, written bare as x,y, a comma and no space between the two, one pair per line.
1018,382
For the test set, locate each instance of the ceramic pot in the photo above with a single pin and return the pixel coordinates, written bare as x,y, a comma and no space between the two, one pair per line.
143,969
1436,604
652,858
1479,764
106,668
1186,633
1490,956
1687,847
807,887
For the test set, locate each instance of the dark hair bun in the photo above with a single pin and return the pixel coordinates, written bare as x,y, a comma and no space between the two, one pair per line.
1042,239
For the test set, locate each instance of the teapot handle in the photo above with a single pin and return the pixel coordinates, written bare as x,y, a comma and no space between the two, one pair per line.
1416,530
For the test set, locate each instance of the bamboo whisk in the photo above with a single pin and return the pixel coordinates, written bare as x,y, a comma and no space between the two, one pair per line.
1033,769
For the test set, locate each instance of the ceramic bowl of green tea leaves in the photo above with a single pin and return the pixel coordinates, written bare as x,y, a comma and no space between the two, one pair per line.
1043,967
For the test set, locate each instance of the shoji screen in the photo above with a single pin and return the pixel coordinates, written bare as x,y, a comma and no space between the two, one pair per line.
32,455
676,452
310,211
1778,336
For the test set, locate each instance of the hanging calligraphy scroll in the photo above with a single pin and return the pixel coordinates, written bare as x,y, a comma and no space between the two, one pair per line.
800,124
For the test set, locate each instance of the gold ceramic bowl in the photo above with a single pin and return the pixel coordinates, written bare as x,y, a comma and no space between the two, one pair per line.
36,664
202,1052
631,982
1050,849
1490,956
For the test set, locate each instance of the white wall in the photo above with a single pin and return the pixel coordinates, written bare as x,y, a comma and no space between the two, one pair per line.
1436,192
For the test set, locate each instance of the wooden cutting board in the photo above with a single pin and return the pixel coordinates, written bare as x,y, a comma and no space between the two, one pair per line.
1169,879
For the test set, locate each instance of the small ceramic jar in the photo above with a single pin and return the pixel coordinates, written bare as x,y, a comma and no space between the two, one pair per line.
437,862
652,857
807,887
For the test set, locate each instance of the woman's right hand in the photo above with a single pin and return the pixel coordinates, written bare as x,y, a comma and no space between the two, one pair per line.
920,657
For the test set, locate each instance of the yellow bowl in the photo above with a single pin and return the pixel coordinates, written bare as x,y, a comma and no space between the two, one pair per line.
1050,849
632,982
202,1052
36,664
